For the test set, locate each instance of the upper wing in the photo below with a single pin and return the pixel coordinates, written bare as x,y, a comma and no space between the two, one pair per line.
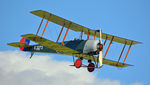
76,27
105,61
50,44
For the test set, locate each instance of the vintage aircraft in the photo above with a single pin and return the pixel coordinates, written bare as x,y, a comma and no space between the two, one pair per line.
82,49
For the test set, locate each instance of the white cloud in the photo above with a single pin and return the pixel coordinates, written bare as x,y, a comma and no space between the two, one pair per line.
17,69
137,83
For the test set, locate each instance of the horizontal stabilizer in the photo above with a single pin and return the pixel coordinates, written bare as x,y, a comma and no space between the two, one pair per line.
18,44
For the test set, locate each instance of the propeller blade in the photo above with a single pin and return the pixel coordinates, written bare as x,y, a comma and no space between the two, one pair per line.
101,50
100,58
100,35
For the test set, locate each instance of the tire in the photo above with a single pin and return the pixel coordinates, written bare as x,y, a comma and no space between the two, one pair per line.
91,67
78,63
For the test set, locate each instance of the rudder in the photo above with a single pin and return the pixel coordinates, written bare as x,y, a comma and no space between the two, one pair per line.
26,41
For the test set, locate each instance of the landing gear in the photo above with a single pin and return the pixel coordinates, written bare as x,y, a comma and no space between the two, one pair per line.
89,61
78,63
91,67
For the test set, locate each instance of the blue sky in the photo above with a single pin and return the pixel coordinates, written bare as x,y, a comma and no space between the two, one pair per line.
124,18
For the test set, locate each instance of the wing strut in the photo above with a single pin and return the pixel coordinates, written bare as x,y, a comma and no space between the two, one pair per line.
121,53
105,40
109,46
60,32
46,25
94,35
128,52
81,34
66,34
88,34
40,26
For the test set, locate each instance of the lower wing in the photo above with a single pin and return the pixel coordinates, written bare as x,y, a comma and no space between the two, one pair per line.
105,61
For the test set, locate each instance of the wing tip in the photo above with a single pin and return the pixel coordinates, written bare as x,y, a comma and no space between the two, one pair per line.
115,63
35,11
140,43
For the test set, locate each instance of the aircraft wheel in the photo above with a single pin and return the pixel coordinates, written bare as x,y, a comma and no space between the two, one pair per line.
78,63
91,67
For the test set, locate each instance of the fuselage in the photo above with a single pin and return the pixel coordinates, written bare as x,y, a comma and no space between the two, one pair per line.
82,46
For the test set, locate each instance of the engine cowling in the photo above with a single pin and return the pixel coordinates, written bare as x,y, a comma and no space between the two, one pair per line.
92,46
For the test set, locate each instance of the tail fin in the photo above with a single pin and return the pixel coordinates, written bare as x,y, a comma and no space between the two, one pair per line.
26,41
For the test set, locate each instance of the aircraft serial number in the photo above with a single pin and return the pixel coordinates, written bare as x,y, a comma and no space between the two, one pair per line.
38,48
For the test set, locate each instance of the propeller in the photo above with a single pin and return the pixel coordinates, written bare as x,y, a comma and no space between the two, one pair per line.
101,49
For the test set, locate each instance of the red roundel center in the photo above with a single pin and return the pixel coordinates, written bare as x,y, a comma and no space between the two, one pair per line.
22,41
78,63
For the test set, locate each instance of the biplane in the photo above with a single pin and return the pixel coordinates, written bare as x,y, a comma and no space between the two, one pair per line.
90,50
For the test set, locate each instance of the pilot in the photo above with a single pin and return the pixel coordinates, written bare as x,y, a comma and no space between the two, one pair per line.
76,39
